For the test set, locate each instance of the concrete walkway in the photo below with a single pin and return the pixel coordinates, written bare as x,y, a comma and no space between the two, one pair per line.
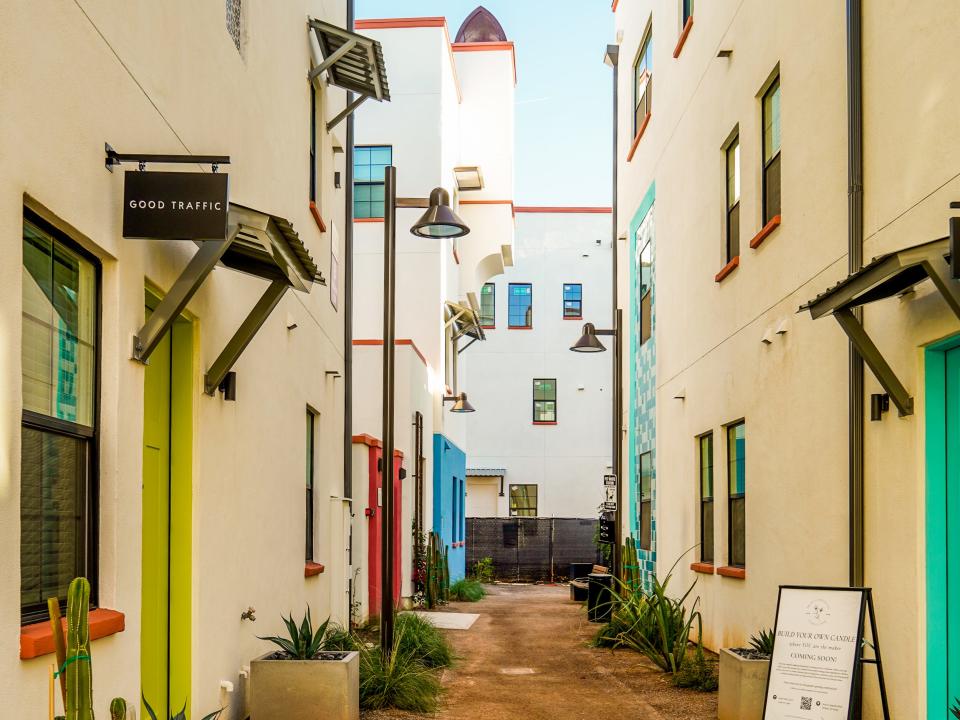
527,657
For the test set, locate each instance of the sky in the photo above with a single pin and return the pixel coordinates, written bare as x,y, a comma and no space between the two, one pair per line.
563,90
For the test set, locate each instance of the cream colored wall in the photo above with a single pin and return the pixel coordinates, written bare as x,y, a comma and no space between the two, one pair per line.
113,75
793,391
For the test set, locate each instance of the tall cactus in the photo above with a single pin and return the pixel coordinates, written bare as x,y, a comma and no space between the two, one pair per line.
78,662
118,709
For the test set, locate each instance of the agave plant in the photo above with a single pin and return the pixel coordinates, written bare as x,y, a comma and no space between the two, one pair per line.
955,710
762,641
182,715
303,643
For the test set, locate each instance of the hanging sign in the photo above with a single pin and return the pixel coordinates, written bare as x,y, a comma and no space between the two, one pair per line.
607,531
175,205
818,638
609,480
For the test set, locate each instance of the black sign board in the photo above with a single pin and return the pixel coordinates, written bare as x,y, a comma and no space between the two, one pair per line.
175,205
607,531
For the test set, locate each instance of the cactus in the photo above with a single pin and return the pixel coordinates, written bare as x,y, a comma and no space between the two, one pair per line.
118,709
59,644
78,664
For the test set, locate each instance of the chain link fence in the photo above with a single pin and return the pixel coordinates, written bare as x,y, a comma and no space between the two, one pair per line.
531,549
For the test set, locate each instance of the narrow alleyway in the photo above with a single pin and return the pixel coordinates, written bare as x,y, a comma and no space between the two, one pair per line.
527,656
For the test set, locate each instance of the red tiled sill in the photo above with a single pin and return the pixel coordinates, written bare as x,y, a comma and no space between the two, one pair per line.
727,269
544,422
765,231
311,568
733,572
488,327
702,567
520,327
683,37
315,211
368,220
37,639
636,140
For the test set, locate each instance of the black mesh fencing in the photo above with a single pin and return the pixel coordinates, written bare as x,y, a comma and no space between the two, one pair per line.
531,549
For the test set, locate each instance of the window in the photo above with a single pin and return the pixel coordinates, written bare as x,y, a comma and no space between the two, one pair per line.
58,452
368,165
706,498
736,474
545,400
646,501
523,501
732,153
235,21
643,82
645,263
313,143
573,300
686,11
520,305
311,469
771,151
488,306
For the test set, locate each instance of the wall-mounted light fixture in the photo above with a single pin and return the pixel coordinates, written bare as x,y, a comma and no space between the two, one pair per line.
460,403
336,179
228,386
879,404
469,178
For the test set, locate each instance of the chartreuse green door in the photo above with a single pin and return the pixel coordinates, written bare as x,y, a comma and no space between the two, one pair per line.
166,523
943,527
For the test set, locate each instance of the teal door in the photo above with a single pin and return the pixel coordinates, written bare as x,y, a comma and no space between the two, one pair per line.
943,528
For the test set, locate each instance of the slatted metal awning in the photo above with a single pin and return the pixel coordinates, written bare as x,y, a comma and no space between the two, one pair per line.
465,321
887,275
352,62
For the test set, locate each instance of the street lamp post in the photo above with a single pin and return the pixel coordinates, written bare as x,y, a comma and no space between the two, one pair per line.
439,221
590,342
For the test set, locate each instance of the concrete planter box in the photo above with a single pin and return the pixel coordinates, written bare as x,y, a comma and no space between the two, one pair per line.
306,689
743,684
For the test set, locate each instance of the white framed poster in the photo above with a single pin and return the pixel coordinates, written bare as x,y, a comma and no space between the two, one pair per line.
816,653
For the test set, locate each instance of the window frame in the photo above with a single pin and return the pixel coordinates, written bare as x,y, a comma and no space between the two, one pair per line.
645,502
90,435
643,65
368,183
313,143
528,323
310,537
537,421
492,317
731,234
578,300
706,502
774,163
730,430
686,12
646,298
513,511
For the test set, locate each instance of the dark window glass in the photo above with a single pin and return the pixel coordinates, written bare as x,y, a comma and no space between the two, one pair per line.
369,162
687,10
488,305
572,300
520,305
58,355
313,143
643,82
545,400
311,466
523,501
706,498
736,475
646,501
771,151
733,199
646,287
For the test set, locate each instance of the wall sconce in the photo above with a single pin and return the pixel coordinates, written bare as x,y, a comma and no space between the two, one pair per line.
879,404
228,386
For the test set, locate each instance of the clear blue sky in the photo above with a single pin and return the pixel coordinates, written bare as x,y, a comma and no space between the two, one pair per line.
563,90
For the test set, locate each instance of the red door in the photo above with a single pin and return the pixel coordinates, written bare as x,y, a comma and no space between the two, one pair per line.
375,527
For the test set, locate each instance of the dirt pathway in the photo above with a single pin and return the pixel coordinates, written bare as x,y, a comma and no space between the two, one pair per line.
527,657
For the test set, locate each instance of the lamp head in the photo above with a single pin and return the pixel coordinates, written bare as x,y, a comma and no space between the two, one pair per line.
460,403
588,342
440,221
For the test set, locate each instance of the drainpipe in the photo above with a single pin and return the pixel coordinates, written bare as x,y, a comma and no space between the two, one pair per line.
348,298
855,263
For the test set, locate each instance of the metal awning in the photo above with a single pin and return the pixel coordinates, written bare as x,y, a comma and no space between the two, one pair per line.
352,62
486,472
257,243
465,321
887,275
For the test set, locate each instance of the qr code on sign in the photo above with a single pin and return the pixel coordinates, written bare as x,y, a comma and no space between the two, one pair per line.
806,703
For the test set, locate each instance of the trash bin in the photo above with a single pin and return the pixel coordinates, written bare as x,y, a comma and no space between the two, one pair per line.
580,570
599,597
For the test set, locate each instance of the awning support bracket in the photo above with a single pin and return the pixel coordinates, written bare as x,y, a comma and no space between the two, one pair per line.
242,337
348,110
174,302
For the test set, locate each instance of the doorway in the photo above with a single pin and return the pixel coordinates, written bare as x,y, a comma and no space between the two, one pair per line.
943,526
166,520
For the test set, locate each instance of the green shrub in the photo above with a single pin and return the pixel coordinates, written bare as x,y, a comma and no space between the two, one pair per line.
421,640
303,643
339,638
762,641
467,590
182,715
402,681
698,674
484,571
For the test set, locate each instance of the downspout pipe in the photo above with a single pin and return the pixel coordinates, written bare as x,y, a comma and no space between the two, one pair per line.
348,297
855,263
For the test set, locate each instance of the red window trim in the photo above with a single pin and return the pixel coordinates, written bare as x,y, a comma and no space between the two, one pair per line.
737,573
765,231
488,327
368,220
683,36
544,422
636,140
703,567
37,639
520,327
315,211
573,317
311,568
727,269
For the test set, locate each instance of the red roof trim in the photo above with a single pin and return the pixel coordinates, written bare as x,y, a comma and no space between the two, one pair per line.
613,7
398,341
563,209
